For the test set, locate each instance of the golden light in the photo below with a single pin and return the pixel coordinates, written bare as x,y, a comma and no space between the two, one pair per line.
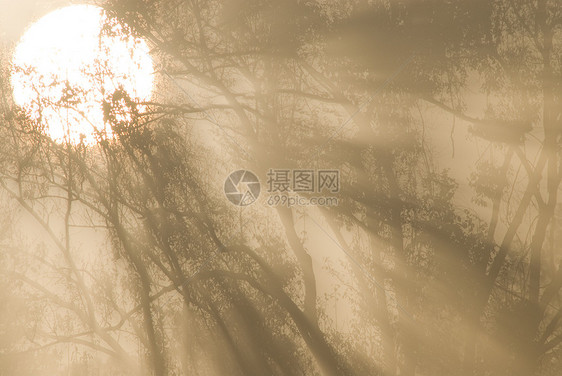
69,67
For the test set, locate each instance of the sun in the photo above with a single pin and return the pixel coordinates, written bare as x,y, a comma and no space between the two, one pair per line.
73,67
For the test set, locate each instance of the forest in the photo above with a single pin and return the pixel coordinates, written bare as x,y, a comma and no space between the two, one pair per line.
438,252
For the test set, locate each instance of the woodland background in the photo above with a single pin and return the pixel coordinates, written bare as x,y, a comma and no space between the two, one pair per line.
443,256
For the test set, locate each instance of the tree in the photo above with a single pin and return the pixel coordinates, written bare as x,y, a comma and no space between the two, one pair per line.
199,286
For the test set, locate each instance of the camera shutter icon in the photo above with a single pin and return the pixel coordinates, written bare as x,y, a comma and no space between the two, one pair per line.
242,188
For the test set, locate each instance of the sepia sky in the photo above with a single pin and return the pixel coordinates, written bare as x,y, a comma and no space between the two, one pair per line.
264,187
16,16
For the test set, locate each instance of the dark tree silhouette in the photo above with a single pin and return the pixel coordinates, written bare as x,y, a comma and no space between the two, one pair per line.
186,283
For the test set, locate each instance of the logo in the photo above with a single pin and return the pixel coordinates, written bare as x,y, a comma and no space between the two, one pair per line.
242,188
309,181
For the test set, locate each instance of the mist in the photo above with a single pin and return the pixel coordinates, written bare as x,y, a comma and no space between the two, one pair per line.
346,187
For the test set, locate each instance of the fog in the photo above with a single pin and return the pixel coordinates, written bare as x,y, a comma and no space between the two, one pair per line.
348,187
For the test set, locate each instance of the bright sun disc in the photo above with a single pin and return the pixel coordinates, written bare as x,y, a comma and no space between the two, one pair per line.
67,67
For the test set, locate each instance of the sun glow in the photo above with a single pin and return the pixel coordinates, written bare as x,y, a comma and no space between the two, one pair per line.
73,67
